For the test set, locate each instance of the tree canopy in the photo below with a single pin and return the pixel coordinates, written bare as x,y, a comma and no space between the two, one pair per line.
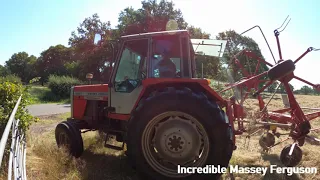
22,65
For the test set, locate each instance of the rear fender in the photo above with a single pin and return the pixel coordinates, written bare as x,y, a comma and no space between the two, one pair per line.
197,85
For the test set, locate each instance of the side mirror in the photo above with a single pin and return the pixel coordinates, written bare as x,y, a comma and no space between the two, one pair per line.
97,39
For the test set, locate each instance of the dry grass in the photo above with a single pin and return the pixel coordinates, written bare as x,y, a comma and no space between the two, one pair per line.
45,161
249,152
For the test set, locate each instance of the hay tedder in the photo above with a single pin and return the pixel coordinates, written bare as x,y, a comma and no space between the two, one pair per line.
292,118
164,116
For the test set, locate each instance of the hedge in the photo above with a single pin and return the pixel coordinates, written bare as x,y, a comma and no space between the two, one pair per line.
9,94
61,85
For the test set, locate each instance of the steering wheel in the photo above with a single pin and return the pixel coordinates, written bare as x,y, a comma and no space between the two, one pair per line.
127,85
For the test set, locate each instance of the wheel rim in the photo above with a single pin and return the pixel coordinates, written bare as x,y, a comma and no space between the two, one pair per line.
174,138
64,140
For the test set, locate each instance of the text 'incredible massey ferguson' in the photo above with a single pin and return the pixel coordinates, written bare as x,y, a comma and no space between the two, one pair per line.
156,106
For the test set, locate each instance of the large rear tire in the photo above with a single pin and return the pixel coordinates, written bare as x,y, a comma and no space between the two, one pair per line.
178,127
68,135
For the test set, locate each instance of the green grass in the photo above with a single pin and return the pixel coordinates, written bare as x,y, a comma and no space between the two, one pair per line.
42,95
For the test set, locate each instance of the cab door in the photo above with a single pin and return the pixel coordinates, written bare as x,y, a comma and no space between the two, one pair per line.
130,70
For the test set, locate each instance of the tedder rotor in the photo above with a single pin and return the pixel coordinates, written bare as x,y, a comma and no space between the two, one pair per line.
292,118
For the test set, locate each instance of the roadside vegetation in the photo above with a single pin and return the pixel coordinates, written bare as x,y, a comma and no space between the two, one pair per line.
11,89
57,90
42,95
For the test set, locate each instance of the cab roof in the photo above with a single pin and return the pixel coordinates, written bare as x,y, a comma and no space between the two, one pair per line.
151,34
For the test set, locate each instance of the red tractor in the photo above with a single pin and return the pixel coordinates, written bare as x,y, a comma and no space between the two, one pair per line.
155,105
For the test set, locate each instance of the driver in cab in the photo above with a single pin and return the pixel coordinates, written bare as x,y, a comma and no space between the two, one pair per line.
167,69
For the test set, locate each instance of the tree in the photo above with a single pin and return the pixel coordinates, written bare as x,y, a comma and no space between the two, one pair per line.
306,90
4,71
236,43
52,60
22,65
89,58
197,33
151,17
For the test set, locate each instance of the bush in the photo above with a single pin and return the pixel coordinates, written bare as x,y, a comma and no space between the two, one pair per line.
9,94
11,78
10,90
60,85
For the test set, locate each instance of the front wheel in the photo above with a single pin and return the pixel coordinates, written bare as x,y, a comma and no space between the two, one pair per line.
68,136
178,127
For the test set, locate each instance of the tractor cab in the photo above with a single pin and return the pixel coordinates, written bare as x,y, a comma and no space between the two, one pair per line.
154,55
164,54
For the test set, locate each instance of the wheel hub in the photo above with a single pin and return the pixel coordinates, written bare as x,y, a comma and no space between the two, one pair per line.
177,140
175,143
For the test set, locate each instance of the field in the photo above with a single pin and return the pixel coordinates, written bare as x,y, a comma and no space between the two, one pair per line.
45,161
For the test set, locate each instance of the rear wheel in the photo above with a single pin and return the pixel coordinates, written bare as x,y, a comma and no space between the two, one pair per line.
68,135
178,127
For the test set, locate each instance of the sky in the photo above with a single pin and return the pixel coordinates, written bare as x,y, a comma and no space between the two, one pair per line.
35,25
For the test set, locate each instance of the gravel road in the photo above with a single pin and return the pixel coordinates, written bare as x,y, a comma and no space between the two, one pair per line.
48,109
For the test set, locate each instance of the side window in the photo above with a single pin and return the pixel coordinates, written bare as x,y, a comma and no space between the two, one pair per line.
131,68
166,60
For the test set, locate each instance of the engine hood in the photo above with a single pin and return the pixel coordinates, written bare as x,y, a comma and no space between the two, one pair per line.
91,92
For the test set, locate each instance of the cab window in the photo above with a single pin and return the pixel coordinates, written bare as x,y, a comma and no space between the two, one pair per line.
131,70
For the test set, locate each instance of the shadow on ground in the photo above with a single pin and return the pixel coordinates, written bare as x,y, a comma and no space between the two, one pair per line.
274,160
104,166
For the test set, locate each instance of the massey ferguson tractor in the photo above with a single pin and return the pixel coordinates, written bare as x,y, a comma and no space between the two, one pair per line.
155,105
